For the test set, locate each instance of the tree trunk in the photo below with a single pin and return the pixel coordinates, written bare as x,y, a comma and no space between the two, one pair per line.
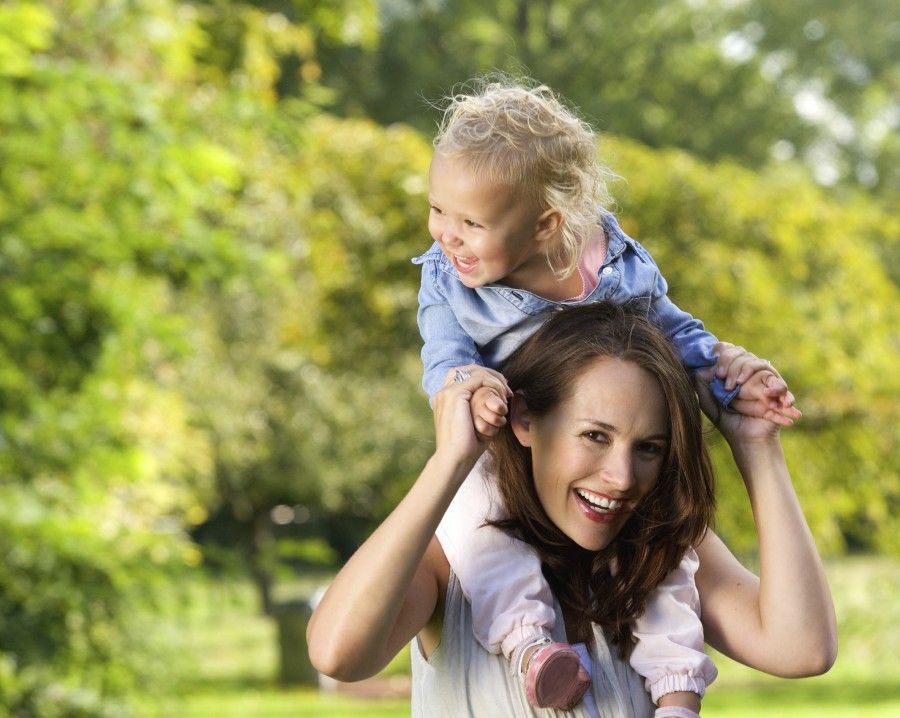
522,19
261,544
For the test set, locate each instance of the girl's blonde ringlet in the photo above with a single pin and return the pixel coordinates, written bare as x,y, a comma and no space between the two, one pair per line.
520,134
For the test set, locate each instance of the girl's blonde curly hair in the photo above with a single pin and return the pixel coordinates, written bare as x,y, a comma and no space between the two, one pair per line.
518,133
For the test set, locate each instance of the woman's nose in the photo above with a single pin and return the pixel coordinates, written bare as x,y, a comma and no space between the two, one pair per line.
618,469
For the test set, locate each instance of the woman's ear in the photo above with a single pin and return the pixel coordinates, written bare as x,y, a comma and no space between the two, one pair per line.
520,420
547,224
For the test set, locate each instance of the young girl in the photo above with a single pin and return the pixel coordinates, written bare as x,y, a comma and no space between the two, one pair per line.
517,216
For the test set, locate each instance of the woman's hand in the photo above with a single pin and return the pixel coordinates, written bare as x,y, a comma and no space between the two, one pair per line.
736,428
455,435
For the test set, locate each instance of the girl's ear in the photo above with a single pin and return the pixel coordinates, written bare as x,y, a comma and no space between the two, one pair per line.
520,421
547,224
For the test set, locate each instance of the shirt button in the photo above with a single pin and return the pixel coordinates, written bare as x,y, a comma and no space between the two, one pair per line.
607,271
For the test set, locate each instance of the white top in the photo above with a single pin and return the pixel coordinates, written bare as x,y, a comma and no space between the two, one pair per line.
462,679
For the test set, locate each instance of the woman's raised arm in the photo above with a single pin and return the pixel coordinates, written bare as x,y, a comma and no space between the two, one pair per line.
389,588
783,621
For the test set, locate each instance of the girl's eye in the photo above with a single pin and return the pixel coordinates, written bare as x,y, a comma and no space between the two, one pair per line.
470,223
437,210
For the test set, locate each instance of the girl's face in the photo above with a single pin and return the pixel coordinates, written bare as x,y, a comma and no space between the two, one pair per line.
599,452
488,233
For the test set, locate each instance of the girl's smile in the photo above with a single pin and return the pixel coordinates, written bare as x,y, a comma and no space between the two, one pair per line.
486,230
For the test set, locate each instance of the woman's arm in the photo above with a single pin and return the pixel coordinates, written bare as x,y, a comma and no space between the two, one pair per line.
783,621
390,588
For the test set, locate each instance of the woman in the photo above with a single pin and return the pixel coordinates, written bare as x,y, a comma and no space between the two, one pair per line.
600,467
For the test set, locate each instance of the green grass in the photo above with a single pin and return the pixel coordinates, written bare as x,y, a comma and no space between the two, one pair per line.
231,654
865,680
272,703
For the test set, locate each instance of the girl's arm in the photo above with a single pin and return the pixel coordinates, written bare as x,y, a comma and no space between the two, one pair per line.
389,589
445,344
783,621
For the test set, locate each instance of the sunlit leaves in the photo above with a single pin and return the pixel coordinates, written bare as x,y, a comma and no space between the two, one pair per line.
800,280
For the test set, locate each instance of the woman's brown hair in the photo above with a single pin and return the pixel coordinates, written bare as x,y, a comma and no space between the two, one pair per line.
607,587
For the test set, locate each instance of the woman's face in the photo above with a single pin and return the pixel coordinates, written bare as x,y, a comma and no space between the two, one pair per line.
598,453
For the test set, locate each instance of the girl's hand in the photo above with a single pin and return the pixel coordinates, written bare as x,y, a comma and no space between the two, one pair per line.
455,435
763,393
736,428
489,410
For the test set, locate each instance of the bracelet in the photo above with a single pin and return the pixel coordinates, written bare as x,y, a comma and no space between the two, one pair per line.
675,712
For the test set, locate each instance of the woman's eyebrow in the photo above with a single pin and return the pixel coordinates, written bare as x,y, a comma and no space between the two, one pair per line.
613,430
600,424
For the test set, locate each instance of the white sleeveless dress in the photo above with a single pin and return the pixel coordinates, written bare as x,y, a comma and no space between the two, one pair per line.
462,679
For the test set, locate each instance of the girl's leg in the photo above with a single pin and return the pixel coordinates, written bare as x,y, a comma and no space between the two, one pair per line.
668,651
512,606
501,576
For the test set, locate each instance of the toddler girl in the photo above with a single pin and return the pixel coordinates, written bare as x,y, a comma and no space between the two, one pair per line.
517,215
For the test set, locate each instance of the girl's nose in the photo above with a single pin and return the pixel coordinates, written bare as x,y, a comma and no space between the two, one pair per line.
450,238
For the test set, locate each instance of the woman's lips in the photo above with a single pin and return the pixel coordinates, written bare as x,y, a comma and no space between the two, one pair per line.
597,508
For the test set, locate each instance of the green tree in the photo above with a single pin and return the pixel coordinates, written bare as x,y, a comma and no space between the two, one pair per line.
307,374
108,199
771,262
749,81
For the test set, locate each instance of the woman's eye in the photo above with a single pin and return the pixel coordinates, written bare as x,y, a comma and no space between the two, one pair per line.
596,436
651,449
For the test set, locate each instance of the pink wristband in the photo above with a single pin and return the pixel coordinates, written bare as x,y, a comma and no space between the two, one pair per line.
675,712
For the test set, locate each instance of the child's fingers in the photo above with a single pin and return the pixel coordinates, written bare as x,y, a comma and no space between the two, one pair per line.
491,418
735,362
496,405
739,370
499,383
486,430
725,354
490,394
754,365
773,385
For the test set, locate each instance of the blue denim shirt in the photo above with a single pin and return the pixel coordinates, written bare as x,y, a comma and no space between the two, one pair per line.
484,325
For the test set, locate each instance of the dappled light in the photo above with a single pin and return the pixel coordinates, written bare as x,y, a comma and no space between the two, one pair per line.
209,360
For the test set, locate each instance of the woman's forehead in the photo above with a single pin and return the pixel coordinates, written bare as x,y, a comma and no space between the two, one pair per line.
618,393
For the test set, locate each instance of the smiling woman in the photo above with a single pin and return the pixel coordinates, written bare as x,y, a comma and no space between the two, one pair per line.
603,463
598,455
603,471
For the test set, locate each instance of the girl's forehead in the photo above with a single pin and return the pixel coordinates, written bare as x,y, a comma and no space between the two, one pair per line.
454,179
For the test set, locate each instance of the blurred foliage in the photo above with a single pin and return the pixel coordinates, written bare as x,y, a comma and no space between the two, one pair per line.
815,79
771,262
207,307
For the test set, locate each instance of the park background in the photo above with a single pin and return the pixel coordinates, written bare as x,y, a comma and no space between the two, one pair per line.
209,372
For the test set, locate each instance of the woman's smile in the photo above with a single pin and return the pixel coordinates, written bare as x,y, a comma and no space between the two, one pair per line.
598,507
597,454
